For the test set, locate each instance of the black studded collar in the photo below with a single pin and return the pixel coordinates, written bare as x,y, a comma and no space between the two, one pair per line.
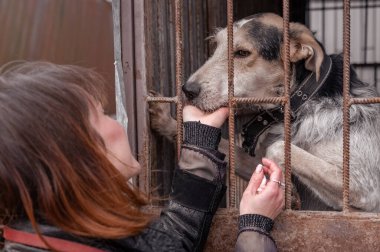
262,121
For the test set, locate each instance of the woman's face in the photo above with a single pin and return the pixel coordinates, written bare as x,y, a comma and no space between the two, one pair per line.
116,141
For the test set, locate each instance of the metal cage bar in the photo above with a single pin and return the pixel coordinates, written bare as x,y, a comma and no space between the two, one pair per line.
364,100
346,104
287,118
179,70
231,198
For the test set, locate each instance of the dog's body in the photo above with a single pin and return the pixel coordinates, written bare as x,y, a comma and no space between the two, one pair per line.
317,138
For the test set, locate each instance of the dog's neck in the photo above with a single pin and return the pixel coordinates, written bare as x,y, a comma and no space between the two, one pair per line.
301,94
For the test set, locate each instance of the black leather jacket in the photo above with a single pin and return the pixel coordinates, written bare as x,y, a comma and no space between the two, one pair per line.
198,186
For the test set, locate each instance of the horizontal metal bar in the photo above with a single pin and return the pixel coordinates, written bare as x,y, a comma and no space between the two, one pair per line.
364,100
235,100
374,64
162,99
250,100
341,7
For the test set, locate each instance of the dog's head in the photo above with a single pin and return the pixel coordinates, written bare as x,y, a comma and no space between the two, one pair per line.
258,61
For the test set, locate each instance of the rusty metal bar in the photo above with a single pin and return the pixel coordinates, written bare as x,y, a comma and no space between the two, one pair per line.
162,99
231,198
250,100
287,119
179,71
147,174
346,105
364,100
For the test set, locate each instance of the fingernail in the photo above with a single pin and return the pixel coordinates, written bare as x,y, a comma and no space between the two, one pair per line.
259,168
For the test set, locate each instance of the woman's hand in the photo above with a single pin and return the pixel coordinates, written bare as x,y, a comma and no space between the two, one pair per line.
215,119
264,197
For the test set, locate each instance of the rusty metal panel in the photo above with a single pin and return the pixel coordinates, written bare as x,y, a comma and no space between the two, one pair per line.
60,31
305,231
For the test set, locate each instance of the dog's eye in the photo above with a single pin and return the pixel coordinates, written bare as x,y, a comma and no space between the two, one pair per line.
241,53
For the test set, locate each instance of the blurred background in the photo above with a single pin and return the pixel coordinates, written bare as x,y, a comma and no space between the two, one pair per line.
75,32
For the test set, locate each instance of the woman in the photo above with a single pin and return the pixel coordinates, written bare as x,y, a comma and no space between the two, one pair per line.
64,167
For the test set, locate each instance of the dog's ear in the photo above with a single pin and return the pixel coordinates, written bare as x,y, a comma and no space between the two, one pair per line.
303,46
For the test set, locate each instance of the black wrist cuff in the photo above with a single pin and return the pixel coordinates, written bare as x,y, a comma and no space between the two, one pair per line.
255,220
201,135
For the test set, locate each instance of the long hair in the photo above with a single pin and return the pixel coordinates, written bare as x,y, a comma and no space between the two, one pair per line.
53,164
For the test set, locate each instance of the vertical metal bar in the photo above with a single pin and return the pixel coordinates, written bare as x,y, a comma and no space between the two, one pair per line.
231,199
178,71
323,21
374,32
365,30
346,105
375,77
287,129
336,10
308,13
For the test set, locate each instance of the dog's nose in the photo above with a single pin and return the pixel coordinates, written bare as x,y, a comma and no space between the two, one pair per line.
191,90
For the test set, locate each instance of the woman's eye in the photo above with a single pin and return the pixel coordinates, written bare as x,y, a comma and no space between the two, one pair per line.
242,53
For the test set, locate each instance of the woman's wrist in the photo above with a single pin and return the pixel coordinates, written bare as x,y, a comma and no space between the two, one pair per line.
201,135
255,221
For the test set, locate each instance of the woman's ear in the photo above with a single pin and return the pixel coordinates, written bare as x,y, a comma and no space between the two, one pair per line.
303,46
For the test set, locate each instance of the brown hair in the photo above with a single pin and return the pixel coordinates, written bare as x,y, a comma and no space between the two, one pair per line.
52,162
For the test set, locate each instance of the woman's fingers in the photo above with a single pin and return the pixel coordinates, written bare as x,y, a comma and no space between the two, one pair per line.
215,119
262,185
272,166
276,178
256,179
191,113
270,200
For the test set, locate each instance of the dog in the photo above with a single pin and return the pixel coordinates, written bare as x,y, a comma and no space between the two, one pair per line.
317,126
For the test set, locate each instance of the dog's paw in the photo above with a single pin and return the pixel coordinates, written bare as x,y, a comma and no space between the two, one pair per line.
275,152
160,118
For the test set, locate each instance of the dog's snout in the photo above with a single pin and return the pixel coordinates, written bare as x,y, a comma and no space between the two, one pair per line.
191,90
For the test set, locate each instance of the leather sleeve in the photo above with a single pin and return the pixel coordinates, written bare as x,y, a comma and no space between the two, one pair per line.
191,209
197,189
